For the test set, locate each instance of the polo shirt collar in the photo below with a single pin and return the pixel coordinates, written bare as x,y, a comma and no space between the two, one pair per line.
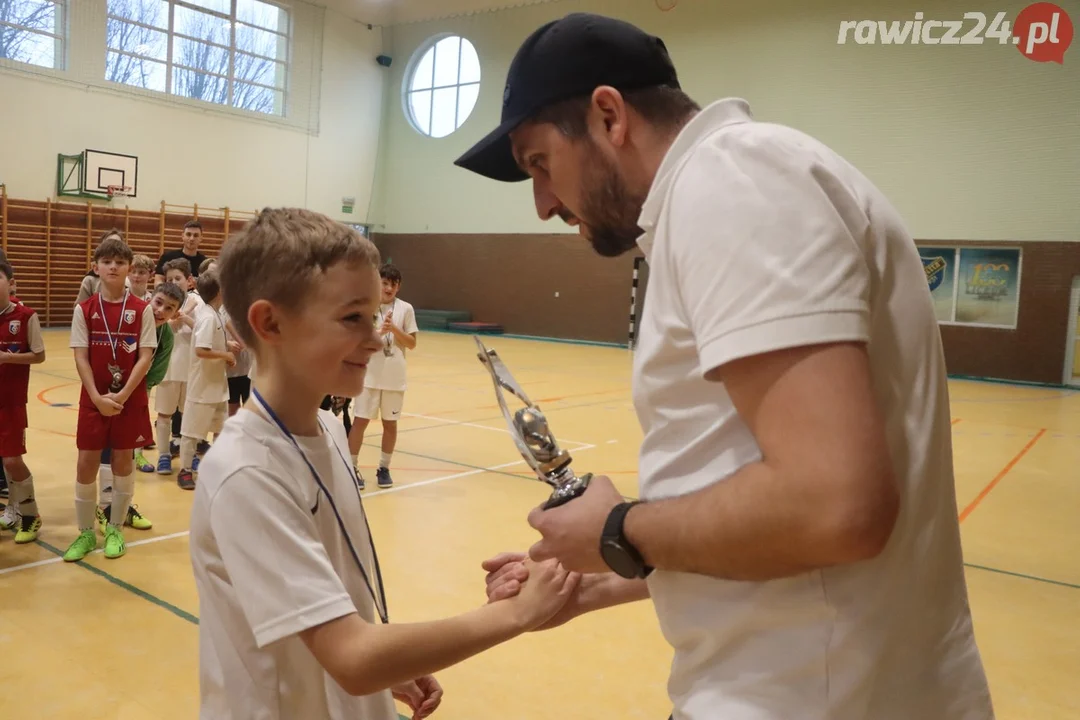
728,111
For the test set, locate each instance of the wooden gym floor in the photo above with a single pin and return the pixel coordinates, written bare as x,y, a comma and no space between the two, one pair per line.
119,638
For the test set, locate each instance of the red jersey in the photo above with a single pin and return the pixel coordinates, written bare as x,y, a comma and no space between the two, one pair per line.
15,338
120,327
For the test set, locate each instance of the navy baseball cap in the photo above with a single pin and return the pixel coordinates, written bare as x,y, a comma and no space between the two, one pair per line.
567,58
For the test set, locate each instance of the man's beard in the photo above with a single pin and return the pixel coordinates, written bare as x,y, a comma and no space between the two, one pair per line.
609,209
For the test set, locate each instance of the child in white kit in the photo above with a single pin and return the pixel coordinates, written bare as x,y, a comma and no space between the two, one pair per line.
206,404
171,394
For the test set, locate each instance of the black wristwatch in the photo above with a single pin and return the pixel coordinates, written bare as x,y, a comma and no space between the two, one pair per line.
618,553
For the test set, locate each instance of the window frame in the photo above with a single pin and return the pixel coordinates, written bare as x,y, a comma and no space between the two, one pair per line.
172,65
410,71
59,37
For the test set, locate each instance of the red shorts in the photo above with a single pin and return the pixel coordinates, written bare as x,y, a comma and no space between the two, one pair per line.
13,431
126,431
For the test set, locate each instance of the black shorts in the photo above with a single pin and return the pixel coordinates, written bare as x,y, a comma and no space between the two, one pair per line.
239,389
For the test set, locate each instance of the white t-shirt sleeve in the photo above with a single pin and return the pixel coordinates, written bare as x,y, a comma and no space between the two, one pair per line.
33,329
80,338
764,244
148,332
408,324
204,331
282,577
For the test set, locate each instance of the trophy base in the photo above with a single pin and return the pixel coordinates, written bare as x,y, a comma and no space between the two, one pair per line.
568,492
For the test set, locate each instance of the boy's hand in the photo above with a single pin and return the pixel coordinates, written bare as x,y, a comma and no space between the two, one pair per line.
230,359
107,405
507,574
423,696
387,326
234,347
5,357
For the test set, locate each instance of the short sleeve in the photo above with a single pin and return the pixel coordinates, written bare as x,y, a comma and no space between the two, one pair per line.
33,329
764,242
280,571
410,322
79,335
204,331
148,332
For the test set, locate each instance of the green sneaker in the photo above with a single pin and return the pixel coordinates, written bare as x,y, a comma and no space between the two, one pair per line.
28,529
114,542
85,544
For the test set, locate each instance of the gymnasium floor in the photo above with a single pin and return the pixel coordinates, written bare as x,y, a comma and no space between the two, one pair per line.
119,637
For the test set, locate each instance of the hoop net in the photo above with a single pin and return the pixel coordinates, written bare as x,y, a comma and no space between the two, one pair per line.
118,191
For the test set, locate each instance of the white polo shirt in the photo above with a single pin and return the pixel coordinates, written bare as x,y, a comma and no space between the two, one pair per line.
758,238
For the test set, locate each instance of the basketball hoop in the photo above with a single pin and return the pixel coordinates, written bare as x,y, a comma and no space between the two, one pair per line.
115,192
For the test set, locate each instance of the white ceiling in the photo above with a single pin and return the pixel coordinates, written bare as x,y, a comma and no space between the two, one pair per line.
397,12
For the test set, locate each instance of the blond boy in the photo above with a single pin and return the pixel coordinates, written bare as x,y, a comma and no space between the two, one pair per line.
206,405
283,559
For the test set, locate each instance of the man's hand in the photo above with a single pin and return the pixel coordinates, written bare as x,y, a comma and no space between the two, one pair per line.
571,532
423,696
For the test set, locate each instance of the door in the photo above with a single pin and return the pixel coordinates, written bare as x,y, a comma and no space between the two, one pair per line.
1072,350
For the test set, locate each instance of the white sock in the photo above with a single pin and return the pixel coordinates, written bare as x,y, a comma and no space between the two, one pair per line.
22,496
164,430
187,452
356,460
122,497
384,459
105,483
85,507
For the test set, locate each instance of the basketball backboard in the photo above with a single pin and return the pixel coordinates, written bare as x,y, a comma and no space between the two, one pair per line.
91,173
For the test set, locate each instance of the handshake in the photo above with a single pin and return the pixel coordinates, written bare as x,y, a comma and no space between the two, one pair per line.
546,594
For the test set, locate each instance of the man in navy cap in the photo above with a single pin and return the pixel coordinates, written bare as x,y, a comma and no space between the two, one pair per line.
797,530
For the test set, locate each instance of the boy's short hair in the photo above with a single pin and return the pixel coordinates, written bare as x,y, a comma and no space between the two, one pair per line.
8,270
172,291
113,247
109,233
205,265
391,273
208,286
181,264
194,225
279,257
142,262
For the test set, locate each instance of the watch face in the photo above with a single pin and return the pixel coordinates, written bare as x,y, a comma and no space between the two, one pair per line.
618,559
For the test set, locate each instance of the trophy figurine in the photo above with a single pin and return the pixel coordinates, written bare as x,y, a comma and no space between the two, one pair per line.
534,440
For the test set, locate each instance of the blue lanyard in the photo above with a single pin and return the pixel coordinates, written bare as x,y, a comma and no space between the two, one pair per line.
380,601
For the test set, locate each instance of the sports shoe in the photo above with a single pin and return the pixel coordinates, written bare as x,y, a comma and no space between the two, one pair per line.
164,465
359,479
202,448
28,529
85,544
9,519
186,480
382,475
134,518
142,463
114,542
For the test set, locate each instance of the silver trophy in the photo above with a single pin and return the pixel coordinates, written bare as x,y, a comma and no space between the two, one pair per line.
533,438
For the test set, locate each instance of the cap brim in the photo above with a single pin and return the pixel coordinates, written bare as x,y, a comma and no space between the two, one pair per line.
493,156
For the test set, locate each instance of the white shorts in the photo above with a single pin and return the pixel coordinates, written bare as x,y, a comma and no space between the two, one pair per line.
201,419
370,403
170,396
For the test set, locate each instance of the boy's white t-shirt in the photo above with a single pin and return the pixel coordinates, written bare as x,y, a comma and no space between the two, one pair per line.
180,360
388,372
207,381
270,561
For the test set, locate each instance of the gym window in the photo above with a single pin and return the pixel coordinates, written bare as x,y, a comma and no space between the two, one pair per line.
32,32
441,85
226,52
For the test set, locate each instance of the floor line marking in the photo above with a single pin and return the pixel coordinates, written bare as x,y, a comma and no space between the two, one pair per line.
998,478
1035,578
503,430
473,470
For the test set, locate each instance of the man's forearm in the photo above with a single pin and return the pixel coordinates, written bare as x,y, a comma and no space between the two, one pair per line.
608,590
753,526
